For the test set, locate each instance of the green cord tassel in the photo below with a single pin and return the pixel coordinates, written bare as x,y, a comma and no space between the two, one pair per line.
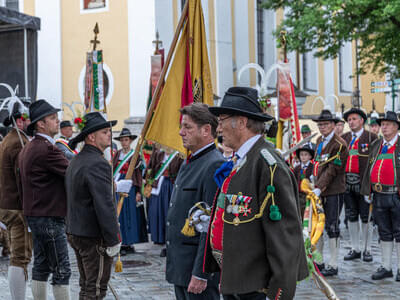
274,213
337,162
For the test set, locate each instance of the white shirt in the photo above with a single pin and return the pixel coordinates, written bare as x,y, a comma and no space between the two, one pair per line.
328,138
49,138
247,145
358,133
391,142
201,149
305,165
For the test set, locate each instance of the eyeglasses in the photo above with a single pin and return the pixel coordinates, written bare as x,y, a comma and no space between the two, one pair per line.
223,119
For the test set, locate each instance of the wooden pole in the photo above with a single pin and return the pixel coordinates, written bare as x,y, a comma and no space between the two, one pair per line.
154,101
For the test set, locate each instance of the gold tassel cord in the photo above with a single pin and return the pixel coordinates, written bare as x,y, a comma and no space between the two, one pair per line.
118,265
188,230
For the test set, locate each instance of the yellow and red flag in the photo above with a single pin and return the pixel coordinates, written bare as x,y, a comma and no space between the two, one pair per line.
189,80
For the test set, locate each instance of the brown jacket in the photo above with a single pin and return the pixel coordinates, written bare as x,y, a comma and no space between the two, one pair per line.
364,146
42,170
331,166
9,177
373,154
308,173
261,254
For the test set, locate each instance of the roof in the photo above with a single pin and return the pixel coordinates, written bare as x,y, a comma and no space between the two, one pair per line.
11,20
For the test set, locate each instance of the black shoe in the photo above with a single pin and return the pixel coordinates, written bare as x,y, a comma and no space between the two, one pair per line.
382,273
320,266
352,255
367,256
329,271
130,249
163,252
398,275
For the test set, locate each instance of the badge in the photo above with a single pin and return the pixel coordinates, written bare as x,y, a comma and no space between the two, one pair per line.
364,147
325,157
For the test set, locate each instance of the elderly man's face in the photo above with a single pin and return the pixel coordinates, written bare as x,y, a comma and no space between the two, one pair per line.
389,129
326,127
227,129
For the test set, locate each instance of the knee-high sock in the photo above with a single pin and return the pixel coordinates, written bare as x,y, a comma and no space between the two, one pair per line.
17,282
387,249
39,290
61,292
398,255
366,234
354,230
333,250
320,249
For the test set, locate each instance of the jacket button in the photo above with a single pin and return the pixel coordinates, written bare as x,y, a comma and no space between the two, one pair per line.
167,223
170,205
168,243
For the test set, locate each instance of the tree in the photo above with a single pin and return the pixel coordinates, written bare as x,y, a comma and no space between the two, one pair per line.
325,25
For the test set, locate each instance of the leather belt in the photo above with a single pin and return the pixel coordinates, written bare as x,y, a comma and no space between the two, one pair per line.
384,189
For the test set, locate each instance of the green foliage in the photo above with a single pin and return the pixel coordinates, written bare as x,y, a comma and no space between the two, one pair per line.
325,25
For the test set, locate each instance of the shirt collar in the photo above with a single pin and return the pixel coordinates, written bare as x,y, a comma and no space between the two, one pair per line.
247,146
305,165
392,141
49,138
201,149
358,133
329,137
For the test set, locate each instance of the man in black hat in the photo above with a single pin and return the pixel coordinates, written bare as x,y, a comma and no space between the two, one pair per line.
359,141
381,183
255,235
10,199
62,141
330,163
92,225
42,171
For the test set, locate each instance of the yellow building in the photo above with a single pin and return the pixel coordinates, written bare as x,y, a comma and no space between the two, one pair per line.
238,33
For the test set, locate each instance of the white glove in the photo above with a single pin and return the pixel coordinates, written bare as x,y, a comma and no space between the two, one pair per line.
317,192
367,199
124,186
113,250
200,221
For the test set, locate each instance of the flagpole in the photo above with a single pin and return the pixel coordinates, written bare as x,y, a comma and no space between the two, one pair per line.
156,95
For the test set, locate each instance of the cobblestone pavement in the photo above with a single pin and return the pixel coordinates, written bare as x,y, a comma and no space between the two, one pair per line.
147,281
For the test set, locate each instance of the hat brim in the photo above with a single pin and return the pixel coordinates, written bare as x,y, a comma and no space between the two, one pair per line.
357,112
378,121
131,136
218,110
325,120
31,126
311,151
81,136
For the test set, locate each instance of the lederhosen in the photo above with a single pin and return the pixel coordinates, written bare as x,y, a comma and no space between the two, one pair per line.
354,201
386,200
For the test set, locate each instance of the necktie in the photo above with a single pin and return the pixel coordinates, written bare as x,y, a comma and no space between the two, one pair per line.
353,140
224,170
385,148
320,146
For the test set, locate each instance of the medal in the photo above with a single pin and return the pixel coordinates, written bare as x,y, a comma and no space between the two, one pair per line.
236,221
229,209
235,209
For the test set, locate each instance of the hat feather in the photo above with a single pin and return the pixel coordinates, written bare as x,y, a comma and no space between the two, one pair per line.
9,104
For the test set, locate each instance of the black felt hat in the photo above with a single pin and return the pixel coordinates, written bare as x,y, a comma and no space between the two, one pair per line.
355,110
241,101
125,132
389,116
66,123
326,115
37,111
307,148
91,122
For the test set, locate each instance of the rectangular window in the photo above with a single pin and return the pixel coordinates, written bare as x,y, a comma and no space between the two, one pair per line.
310,72
345,69
12,4
260,34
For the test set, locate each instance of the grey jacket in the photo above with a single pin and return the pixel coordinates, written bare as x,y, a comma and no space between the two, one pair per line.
91,207
194,183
